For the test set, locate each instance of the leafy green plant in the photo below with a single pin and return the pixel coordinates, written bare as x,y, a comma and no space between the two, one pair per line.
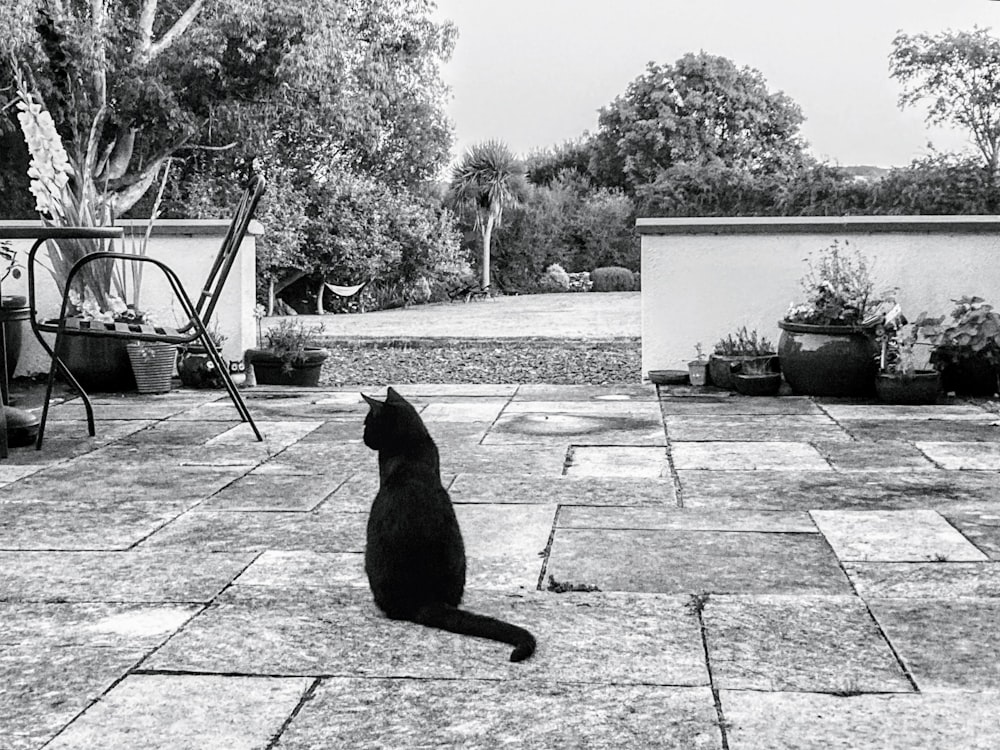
757,366
612,279
555,279
839,290
974,332
289,340
744,343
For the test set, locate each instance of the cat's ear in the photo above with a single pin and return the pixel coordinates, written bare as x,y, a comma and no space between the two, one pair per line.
391,396
371,401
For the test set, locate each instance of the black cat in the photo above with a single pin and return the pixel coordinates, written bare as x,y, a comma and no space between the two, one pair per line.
415,558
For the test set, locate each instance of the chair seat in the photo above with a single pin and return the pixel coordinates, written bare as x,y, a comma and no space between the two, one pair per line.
132,331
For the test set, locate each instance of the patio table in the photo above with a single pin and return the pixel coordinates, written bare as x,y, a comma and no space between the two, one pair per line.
39,233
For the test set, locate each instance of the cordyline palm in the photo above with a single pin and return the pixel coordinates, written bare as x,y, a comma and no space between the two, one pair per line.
488,179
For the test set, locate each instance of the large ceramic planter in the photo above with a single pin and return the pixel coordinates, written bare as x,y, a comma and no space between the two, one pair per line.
269,369
99,364
14,311
827,360
921,387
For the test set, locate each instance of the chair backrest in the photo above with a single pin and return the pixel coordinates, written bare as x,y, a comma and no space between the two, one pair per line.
212,289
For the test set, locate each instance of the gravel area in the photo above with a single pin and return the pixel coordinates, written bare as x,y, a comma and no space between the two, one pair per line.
455,360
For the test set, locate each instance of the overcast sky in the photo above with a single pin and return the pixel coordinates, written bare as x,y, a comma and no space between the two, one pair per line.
534,73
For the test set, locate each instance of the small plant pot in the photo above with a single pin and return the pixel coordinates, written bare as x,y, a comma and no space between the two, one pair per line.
921,387
768,384
698,372
152,364
196,369
721,367
270,369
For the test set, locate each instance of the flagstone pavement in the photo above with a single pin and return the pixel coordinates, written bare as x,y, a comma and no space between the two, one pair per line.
699,571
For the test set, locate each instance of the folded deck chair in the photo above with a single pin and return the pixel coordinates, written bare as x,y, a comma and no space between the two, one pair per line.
194,329
346,292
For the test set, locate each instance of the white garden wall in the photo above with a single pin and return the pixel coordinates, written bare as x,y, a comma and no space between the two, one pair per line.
703,278
189,247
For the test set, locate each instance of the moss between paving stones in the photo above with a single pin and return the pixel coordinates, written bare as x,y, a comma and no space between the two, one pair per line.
451,360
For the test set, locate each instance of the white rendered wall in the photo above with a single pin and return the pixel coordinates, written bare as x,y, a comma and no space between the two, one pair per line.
704,278
189,247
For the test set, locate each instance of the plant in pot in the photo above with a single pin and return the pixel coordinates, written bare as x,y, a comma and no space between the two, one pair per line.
827,345
967,348
732,351
14,309
901,377
288,355
195,367
757,376
698,367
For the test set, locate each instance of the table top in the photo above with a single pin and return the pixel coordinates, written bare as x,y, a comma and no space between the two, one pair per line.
28,231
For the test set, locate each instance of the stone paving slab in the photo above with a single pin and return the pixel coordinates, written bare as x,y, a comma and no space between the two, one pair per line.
186,712
946,644
893,412
178,434
756,456
680,561
563,429
626,462
405,714
953,430
504,459
617,392
149,576
925,580
894,536
274,491
256,531
626,639
288,569
126,407
505,544
794,721
881,455
729,404
641,411
42,690
565,490
587,517
962,455
478,410
308,458
753,428
802,643
946,491
981,527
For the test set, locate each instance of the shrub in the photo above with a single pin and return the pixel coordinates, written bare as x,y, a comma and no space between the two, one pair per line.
613,279
744,343
555,279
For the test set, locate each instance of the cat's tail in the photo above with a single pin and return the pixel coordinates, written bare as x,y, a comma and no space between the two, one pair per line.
454,620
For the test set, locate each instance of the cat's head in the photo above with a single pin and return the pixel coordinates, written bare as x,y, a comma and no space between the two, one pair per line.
393,422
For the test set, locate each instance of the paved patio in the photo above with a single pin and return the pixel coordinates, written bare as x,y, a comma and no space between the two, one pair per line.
772,573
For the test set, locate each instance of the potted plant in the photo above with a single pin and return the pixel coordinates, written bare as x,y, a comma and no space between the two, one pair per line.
900,378
195,367
698,367
757,376
967,350
732,351
13,308
827,346
288,355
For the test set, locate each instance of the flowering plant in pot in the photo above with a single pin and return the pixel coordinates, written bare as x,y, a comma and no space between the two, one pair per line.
698,367
967,348
903,376
288,355
827,346
757,376
731,351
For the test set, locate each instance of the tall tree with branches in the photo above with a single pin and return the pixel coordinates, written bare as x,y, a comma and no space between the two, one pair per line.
958,73
488,180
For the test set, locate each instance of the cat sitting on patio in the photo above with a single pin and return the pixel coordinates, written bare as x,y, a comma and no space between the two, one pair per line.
415,558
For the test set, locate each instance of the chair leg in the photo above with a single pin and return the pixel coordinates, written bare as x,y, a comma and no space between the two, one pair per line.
234,392
56,362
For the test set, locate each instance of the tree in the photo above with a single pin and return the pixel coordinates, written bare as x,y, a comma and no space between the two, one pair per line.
959,72
488,180
703,110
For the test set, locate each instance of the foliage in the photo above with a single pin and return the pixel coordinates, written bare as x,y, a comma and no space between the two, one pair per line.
701,110
958,72
974,332
8,261
289,340
555,279
898,349
757,366
612,279
839,290
938,184
570,160
488,180
580,282
744,343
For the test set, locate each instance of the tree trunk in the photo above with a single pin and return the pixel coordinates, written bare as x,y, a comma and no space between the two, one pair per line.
487,237
270,296
319,296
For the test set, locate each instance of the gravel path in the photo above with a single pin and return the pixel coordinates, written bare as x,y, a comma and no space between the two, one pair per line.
455,360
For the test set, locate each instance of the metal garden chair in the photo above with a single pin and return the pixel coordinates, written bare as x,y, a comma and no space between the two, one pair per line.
194,329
